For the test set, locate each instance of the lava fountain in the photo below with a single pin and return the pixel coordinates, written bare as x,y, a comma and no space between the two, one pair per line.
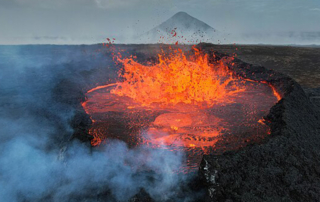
181,101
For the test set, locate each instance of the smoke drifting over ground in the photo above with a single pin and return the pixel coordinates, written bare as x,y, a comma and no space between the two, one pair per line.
38,159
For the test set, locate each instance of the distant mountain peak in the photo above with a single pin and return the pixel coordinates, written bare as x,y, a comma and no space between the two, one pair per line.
181,27
182,13
183,20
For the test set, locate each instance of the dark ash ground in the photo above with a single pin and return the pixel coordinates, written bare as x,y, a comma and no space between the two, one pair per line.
285,167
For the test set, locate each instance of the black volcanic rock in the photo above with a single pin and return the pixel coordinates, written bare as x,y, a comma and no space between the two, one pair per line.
286,167
142,196
70,93
314,95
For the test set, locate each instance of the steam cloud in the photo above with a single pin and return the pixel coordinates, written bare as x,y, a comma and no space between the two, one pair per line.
37,159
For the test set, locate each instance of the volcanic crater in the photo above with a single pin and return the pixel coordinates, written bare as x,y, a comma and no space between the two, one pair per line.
196,101
276,118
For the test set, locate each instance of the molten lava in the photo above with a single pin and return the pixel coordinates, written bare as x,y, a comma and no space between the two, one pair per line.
174,80
183,102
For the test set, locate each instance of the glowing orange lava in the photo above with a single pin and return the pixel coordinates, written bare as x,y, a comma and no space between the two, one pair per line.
176,79
180,101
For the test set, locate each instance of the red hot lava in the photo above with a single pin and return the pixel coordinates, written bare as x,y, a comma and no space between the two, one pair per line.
180,102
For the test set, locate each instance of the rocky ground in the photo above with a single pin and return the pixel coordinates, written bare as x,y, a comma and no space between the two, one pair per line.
300,63
286,167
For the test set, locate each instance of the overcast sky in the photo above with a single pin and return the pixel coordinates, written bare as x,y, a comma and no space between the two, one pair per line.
81,19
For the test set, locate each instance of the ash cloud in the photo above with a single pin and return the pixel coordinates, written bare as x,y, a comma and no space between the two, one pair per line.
39,162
